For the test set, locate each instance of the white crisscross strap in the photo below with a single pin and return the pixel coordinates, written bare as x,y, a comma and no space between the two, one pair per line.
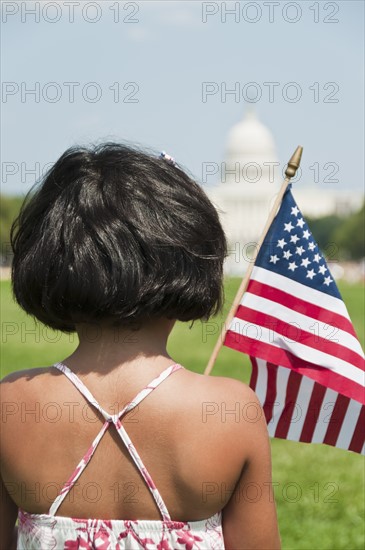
116,420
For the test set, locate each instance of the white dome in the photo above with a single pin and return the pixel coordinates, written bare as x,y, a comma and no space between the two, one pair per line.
247,187
250,139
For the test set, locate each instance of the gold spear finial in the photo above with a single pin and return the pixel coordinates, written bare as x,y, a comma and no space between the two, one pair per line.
294,162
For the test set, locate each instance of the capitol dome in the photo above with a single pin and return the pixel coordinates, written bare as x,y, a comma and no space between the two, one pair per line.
250,151
250,141
247,187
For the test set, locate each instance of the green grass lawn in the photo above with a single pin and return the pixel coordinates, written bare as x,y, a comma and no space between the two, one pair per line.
319,490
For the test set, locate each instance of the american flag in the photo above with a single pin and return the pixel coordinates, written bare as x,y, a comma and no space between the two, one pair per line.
307,363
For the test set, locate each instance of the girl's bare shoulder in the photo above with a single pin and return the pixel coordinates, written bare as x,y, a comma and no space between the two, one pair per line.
224,410
27,382
222,403
222,388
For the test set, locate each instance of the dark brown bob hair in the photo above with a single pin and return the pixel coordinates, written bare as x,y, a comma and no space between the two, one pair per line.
113,234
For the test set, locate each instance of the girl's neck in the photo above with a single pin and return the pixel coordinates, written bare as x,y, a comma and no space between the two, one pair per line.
103,349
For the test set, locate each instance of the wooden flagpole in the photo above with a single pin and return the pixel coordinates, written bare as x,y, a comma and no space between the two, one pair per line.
290,172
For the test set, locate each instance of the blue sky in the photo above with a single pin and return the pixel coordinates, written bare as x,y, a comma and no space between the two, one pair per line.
160,54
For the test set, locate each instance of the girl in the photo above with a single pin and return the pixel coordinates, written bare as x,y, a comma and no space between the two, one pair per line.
117,244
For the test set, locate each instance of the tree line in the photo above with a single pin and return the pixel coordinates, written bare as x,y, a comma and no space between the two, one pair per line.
340,237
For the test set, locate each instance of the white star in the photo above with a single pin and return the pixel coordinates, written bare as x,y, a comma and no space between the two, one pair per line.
288,227
274,259
305,262
295,211
287,254
310,274
292,266
322,269
299,250
294,239
306,234
317,258
311,246
281,243
327,281
300,223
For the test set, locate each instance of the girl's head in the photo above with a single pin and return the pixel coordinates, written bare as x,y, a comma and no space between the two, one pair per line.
117,236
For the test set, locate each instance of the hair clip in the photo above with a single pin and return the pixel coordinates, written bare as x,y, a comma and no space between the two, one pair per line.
167,158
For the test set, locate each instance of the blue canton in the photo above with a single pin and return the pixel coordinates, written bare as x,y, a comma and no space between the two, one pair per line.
290,250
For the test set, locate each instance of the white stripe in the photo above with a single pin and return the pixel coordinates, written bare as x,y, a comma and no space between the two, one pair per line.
324,417
301,408
306,323
298,290
348,425
281,384
261,384
320,358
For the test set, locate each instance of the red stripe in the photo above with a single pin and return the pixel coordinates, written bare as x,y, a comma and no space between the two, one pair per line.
290,401
326,316
336,420
284,358
254,374
296,334
314,408
268,405
358,438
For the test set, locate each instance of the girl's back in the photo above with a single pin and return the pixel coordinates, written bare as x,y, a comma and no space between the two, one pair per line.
181,440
